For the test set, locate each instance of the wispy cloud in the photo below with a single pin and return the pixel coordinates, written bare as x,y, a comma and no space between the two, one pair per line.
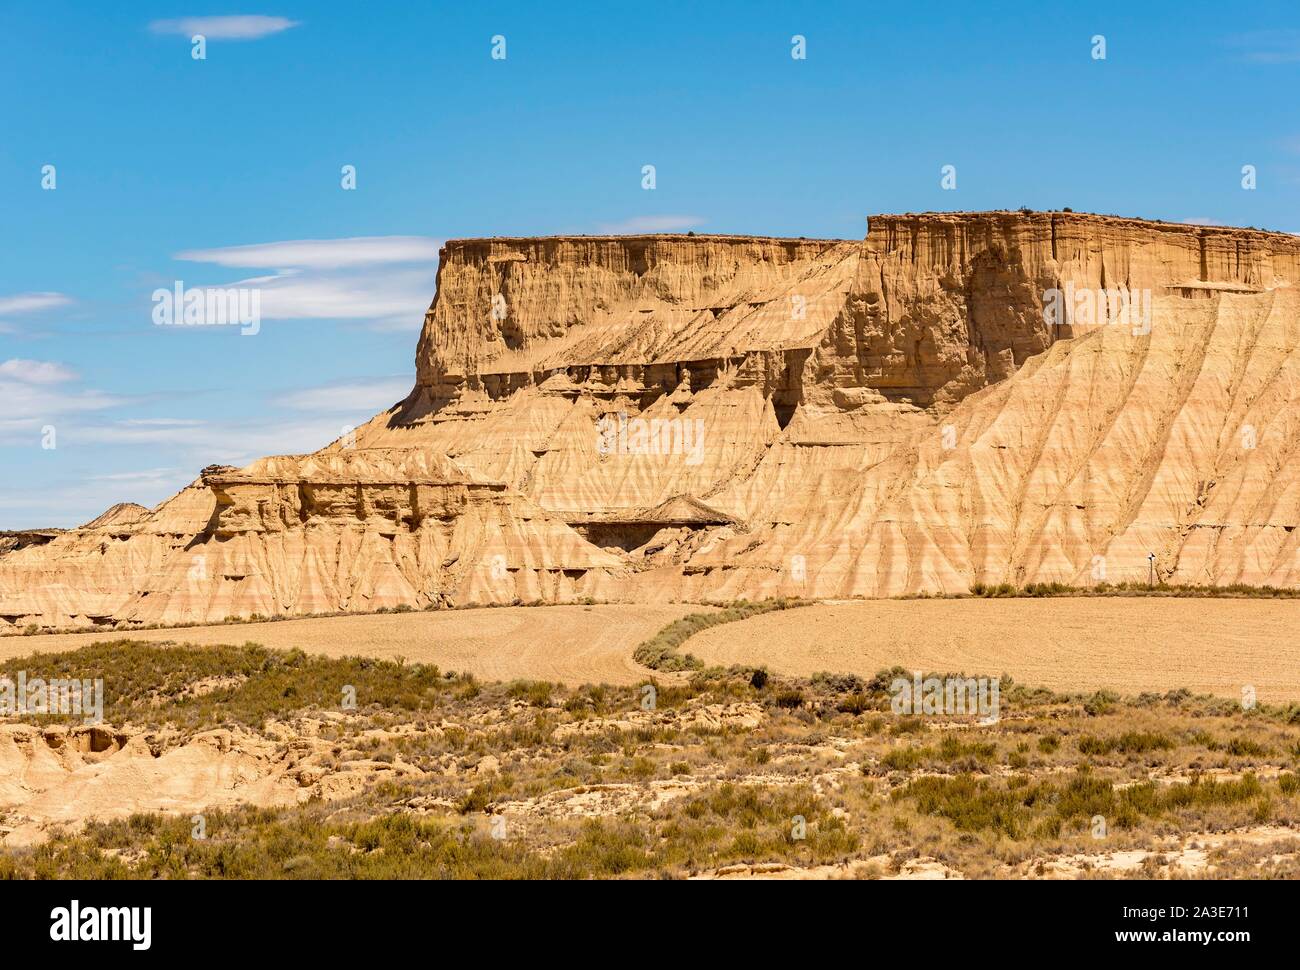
1281,46
645,224
21,304
147,480
243,27
367,396
36,393
25,407
1202,221
387,299
321,253
234,442
161,422
35,371
386,280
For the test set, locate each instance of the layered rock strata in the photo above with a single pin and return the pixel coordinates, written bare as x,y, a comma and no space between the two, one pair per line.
960,398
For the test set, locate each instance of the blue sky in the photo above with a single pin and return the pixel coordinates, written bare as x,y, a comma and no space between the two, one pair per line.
216,171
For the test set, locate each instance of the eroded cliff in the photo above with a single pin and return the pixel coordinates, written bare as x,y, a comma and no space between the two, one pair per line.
959,398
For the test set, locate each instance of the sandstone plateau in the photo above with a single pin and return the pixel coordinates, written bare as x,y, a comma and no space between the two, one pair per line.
706,418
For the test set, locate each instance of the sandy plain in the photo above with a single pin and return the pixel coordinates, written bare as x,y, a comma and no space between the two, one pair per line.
1125,644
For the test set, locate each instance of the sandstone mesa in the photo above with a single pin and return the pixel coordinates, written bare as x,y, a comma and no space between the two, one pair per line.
668,417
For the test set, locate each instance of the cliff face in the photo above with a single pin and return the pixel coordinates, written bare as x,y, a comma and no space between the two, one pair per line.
945,303
524,306
927,308
959,398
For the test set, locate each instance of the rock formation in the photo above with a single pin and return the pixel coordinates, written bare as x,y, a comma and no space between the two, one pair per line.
960,398
21,539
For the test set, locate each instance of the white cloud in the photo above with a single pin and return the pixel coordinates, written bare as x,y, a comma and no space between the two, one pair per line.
648,224
147,475
25,407
35,371
35,393
1201,221
369,396
11,306
387,280
243,27
229,442
383,297
321,253
22,304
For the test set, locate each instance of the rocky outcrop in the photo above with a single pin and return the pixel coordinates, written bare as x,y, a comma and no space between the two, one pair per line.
960,398
124,513
56,778
21,539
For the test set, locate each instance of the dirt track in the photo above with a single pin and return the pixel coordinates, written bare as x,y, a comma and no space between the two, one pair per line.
1126,644
566,644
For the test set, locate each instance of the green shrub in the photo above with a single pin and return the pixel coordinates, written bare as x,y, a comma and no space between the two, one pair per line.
1130,742
971,806
789,699
1246,748
904,757
854,704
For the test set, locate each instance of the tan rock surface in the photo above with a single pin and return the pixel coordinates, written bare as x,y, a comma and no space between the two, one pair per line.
58,778
855,419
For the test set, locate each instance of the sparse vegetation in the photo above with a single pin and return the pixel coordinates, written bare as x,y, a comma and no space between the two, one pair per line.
728,769
152,684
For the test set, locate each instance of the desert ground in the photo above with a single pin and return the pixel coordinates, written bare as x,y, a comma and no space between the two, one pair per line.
1129,645
562,644
1206,645
240,762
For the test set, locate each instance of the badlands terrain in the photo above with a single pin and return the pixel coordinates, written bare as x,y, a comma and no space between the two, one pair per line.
958,400
621,587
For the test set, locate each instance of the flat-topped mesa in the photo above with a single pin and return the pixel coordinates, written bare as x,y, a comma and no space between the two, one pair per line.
926,309
510,312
